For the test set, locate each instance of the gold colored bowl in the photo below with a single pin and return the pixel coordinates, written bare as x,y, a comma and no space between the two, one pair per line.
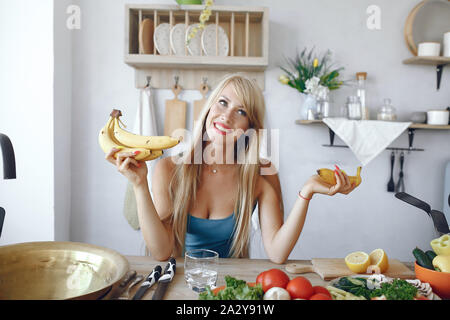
58,270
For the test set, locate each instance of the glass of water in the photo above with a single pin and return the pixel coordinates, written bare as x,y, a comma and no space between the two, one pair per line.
200,269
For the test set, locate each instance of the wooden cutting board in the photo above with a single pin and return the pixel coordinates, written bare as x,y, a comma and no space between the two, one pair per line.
146,37
199,104
329,269
175,116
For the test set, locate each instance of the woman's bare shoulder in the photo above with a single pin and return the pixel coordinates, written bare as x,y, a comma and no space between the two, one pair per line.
164,168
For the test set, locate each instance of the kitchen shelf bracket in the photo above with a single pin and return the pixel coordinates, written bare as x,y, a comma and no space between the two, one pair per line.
439,70
411,132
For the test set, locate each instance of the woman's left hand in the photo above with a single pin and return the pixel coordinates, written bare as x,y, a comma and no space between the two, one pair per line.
316,184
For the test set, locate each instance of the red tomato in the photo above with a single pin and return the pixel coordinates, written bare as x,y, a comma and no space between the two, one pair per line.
260,276
300,287
319,289
273,278
320,296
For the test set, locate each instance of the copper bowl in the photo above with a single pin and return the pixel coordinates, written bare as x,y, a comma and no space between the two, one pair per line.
58,271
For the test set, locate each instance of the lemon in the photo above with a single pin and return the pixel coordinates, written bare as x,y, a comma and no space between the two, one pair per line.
379,259
358,262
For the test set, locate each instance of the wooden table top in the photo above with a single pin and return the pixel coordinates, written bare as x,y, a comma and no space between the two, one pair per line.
243,269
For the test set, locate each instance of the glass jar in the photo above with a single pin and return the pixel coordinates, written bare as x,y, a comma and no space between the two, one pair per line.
387,111
354,108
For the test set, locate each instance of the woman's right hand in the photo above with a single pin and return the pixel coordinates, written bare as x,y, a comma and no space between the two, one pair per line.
135,171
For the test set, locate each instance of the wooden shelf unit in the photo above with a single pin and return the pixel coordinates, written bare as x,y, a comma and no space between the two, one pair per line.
433,61
412,126
438,62
247,29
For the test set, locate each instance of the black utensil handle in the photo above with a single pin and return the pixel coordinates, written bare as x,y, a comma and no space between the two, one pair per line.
169,270
2,218
160,291
402,160
414,201
392,161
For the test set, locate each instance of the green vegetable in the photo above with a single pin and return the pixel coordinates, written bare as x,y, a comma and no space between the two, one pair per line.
357,288
397,290
431,254
235,290
422,259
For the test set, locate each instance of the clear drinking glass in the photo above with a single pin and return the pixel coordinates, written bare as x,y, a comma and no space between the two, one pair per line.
200,269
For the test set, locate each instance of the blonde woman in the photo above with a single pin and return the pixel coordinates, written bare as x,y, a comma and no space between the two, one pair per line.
205,198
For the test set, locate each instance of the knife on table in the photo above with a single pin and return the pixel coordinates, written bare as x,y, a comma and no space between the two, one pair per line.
166,278
116,291
151,279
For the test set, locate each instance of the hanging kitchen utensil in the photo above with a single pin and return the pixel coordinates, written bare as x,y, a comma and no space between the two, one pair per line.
414,202
175,116
199,104
440,223
2,218
146,30
401,183
391,184
446,204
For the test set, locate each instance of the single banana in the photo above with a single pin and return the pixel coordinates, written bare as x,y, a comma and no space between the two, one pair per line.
329,177
154,154
136,141
107,142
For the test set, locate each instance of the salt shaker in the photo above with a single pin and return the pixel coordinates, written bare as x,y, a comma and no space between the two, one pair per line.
354,108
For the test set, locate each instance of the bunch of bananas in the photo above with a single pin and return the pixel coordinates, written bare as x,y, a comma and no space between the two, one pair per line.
146,148
328,176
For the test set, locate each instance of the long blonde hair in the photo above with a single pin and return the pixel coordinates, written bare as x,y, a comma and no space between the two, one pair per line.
186,178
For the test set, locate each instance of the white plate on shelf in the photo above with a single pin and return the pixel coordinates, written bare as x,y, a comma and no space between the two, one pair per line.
161,38
209,41
195,45
177,39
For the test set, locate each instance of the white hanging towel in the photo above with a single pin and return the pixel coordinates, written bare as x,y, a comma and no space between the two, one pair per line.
366,138
145,125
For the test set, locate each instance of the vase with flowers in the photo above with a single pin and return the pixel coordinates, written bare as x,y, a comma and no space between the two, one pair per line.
313,77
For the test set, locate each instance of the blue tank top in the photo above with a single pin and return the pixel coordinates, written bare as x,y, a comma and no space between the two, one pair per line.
212,234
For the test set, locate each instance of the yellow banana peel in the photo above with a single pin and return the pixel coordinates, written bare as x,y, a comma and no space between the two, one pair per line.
328,176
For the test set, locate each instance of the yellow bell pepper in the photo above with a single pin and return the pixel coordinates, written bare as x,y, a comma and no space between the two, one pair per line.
441,246
442,263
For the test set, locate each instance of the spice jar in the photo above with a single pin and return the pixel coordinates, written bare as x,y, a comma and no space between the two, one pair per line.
354,108
387,111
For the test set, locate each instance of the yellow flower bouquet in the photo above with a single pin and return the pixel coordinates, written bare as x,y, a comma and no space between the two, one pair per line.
310,74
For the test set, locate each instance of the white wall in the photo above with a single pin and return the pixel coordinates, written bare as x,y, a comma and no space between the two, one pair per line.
62,116
26,116
367,219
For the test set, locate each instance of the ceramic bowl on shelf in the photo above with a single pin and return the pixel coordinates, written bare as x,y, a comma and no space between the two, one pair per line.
419,117
438,117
